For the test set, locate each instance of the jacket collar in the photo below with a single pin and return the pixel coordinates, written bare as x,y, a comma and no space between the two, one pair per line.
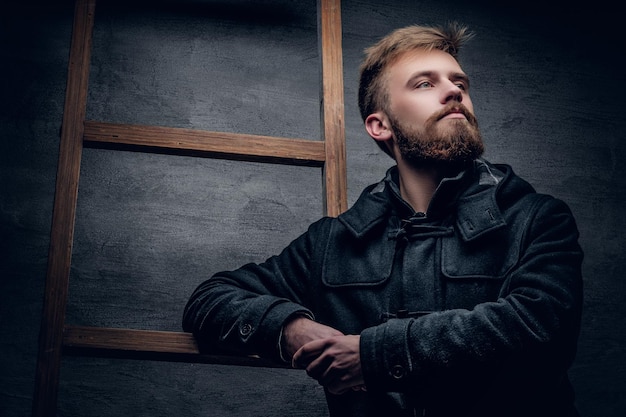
477,210
472,194
370,209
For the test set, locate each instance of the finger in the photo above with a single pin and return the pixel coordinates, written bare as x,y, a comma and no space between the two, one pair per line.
320,366
338,367
335,378
307,353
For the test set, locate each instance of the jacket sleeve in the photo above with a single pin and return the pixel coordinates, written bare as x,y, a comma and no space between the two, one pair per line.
533,325
243,311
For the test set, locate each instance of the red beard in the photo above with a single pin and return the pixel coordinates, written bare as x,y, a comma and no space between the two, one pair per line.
454,141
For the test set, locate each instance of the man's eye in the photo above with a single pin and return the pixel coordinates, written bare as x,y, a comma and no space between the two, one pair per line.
424,84
462,86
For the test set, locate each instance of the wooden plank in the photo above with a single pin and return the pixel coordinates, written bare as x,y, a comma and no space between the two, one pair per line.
66,194
148,344
206,143
333,126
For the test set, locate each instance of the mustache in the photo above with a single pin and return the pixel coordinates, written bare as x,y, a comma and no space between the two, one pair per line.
454,107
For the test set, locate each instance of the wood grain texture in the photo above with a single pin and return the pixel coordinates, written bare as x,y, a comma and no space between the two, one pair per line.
148,344
66,194
210,144
333,129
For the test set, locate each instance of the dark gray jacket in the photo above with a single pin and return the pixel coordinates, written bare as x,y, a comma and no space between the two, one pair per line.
471,309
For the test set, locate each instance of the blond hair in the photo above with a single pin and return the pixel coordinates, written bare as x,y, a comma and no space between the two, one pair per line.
372,91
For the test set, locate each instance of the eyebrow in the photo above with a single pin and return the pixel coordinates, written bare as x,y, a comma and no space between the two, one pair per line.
461,76
431,74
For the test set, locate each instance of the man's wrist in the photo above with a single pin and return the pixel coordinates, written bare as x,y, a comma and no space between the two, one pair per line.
282,349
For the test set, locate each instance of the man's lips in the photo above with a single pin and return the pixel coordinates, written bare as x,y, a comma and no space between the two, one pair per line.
454,114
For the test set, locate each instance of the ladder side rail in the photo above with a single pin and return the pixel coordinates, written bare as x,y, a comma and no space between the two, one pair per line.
332,106
62,230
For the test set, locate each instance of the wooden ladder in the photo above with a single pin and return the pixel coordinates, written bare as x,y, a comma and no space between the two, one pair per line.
56,338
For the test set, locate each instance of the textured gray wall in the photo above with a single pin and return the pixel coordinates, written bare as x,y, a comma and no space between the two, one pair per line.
151,227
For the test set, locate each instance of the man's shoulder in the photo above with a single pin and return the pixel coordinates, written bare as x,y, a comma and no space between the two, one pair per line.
508,185
371,208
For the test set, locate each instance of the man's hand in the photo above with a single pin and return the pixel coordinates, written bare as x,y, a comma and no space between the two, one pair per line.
334,362
301,331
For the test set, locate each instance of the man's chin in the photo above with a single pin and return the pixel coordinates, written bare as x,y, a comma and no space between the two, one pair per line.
450,142
453,153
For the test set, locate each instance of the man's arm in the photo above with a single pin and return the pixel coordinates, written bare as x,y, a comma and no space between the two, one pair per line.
244,311
535,322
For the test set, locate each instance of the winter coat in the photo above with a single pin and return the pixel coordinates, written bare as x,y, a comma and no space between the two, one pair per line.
470,309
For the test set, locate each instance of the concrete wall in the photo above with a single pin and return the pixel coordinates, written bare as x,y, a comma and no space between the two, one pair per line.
547,91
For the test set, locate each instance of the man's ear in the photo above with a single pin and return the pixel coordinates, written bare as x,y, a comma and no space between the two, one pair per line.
377,125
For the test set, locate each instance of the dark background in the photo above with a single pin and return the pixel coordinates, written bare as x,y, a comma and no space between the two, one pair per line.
548,90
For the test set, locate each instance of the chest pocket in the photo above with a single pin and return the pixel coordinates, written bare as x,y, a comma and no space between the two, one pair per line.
356,262
474,272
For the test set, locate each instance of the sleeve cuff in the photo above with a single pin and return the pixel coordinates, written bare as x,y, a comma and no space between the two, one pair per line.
385,356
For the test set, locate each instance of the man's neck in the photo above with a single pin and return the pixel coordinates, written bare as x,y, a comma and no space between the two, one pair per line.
418,184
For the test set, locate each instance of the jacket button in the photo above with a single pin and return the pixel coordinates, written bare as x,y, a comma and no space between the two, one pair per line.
245,329
397,372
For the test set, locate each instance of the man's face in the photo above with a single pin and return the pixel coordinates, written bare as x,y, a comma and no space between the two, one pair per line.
430,111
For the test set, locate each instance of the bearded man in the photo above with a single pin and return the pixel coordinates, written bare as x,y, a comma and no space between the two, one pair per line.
450,288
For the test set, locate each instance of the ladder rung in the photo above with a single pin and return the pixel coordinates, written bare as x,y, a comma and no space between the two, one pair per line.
148,344
213,144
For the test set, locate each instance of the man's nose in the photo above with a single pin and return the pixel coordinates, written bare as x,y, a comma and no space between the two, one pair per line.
452,93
